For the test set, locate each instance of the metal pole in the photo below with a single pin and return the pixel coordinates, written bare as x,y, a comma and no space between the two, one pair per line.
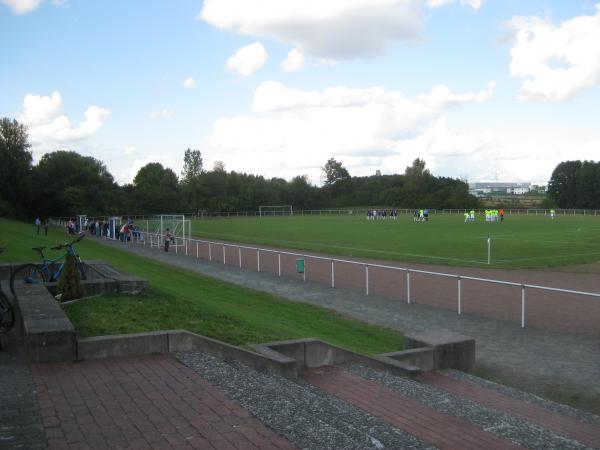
258,260
305,265
279,263
209,252
408,287
522,306
186,246
459,298
367,278
489,248
332,274
223,253
197,255
240,255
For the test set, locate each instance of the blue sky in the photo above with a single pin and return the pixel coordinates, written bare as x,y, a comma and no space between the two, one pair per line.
478,88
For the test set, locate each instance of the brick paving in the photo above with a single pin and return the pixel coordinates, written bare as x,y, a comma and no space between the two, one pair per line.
585,433
142,402
20,420
441,430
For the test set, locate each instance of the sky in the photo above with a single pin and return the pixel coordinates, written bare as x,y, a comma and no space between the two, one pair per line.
483,90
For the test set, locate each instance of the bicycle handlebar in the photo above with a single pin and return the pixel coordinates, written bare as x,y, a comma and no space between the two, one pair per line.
69,244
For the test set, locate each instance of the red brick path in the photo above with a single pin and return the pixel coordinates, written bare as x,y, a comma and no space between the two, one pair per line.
142,402
433,427
585,433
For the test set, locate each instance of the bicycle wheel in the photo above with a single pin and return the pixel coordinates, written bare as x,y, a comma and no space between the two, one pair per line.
7,314
27,273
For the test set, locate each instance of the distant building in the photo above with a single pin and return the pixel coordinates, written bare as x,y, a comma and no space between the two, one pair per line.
486,189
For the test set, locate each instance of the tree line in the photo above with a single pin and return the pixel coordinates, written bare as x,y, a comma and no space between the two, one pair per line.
65,183
576,184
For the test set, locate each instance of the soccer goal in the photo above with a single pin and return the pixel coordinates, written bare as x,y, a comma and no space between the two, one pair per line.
278,210
179,227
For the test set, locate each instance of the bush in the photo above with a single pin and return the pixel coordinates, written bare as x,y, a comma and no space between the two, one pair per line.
69,284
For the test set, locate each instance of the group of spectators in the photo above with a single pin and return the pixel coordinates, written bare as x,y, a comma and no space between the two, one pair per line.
375,214
38,225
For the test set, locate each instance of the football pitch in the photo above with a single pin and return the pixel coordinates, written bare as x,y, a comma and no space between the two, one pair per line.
520,241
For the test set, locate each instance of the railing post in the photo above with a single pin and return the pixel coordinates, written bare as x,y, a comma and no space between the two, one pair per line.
459,298
240,255
522,306
279,263
408,287
224,254
209,252
257,260
367,278
332,273
305,266
197,254
186,246
176,246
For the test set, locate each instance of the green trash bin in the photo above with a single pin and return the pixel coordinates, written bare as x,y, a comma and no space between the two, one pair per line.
299,265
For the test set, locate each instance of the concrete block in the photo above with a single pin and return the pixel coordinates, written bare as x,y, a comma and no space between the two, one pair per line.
450,350
419,357
123,345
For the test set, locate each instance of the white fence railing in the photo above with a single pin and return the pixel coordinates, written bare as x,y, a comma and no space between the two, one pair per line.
217,250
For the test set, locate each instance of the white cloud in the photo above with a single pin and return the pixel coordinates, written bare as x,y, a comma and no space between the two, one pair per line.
475,4
294,131
556,62
162,114
189,83
334,29
248,59
46,124
129,150
19,7
293,62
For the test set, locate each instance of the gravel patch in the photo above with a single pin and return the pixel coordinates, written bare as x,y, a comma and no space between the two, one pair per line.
503,425
302,413
527,397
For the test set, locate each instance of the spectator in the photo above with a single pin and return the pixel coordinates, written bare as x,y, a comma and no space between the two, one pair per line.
38,222
46,223
168,237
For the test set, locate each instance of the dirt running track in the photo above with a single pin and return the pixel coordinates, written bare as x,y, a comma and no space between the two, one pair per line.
546,309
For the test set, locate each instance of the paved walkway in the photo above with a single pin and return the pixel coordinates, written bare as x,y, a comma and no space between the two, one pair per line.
143,402
553,364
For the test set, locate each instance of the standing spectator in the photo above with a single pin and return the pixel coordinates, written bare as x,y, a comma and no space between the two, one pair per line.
38,222
46,223
168,238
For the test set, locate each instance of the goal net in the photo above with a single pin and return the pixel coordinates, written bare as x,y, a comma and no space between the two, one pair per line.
179,227
275,210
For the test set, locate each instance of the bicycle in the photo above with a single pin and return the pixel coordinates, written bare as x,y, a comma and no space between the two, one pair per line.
45,273
7,312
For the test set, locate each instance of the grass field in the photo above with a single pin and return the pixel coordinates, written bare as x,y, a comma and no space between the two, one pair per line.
185,299
519,242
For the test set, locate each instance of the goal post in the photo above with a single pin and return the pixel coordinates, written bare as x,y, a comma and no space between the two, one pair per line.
179,227
275,210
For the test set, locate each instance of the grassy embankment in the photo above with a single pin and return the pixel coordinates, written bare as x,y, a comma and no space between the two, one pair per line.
184,299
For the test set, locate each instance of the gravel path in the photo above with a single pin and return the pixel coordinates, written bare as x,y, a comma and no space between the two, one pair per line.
503,425
302,413
544,362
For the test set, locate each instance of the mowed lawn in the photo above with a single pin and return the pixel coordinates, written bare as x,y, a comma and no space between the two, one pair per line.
520,241
184,299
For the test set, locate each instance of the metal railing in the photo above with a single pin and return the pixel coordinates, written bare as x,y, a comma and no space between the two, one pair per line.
193,246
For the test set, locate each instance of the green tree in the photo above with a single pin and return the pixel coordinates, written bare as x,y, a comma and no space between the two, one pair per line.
156,189
334,172
192,165
562,187
67,183
15,168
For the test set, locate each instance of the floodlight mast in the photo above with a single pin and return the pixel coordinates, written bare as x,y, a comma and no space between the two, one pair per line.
283,209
